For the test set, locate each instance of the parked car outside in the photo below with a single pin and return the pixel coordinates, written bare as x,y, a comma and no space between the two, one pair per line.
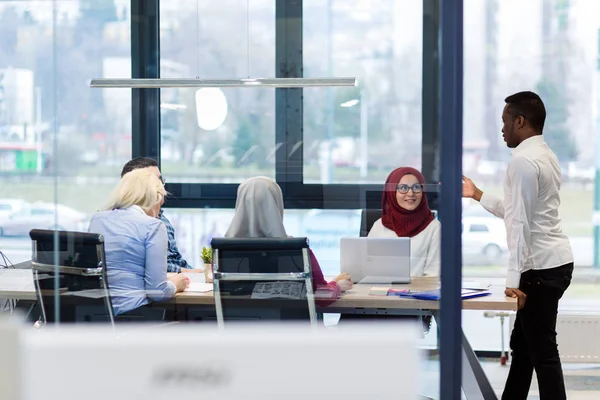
10,206
42,216
484,239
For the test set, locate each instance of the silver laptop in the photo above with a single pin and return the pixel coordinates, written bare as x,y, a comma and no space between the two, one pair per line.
376,260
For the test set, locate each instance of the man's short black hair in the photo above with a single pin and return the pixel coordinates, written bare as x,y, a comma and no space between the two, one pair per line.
138,163
529,106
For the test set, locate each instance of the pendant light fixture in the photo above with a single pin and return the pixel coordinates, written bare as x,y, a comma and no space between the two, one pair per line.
159,83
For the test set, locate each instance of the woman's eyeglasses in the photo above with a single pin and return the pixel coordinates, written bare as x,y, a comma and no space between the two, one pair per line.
163,180
403,188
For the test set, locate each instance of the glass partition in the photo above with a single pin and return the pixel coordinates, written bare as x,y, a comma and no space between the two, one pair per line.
62,144
555,55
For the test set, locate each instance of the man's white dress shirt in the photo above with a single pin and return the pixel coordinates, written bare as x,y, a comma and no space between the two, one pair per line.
530,210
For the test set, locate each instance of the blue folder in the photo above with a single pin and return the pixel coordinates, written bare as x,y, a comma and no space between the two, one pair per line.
436,294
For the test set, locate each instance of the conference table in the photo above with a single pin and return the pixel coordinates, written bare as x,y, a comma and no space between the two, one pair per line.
17,284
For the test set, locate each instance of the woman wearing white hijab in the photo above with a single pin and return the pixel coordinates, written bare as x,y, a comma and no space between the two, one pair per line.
259,214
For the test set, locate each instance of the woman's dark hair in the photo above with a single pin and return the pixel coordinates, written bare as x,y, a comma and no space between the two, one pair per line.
137,163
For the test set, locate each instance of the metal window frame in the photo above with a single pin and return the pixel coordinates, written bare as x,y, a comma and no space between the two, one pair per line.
289,112
305,276
145,64
450,210
40,269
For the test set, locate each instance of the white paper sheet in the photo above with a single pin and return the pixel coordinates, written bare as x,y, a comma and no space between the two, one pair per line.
476,285
199,287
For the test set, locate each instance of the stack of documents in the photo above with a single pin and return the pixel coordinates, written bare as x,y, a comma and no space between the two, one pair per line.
436,294
197,283
469,290
476,285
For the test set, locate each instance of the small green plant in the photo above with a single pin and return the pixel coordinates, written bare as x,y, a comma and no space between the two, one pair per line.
206,255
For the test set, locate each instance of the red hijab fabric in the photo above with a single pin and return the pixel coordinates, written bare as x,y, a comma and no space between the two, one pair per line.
404,222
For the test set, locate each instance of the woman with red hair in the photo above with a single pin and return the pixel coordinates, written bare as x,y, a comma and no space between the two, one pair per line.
405,213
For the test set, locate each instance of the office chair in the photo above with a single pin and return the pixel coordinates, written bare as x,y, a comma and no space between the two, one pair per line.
265,278
367,219
75,261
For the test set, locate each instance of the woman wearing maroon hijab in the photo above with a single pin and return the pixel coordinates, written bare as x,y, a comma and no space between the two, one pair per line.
405,213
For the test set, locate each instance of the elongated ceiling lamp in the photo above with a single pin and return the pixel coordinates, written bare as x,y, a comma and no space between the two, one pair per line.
158,83
199,83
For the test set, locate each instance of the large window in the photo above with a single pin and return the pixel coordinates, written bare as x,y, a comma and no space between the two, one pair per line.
330,149
62,144
558,61
327,147
358,135
217,135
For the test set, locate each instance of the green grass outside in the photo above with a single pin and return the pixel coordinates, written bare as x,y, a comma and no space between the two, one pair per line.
86,198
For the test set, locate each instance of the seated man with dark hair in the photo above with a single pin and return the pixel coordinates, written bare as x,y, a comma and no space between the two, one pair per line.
175,261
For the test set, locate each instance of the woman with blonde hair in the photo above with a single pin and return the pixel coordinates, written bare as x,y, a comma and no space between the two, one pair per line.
135,243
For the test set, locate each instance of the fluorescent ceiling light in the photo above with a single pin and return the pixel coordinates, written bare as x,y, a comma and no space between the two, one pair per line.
349,103
198,83
172,106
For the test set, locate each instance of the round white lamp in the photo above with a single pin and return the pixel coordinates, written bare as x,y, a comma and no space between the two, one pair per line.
211,108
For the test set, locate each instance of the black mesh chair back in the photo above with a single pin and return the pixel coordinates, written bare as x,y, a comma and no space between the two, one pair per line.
367,219
69,271
262,279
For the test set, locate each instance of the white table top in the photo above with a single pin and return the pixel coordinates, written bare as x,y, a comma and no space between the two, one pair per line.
17,284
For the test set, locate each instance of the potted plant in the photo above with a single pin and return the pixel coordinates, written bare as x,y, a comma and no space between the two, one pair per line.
206,255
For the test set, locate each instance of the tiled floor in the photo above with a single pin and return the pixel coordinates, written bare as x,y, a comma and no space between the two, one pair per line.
582,380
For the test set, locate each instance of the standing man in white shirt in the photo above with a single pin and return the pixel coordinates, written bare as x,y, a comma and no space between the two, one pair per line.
541,261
